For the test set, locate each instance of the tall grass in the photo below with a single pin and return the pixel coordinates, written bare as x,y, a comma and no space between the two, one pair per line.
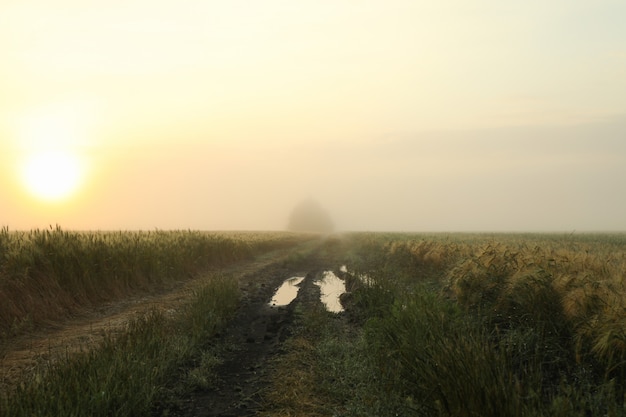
128,373
48,274
495,325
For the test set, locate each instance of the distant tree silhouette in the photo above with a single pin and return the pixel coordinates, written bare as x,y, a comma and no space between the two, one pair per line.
309,216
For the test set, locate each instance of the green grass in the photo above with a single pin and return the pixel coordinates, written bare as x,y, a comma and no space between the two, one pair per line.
130,373
518,325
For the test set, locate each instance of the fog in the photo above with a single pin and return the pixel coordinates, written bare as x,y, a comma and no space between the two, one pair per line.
567,178
405,115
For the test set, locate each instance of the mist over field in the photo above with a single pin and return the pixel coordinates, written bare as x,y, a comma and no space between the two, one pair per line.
398,116
539,179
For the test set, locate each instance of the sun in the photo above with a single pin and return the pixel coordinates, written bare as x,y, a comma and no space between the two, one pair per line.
51,140
52,175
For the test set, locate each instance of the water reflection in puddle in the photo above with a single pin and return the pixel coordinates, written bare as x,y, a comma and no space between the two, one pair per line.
331,288
287,292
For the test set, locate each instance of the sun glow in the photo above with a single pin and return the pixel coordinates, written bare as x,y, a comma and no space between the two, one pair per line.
52,175
50,139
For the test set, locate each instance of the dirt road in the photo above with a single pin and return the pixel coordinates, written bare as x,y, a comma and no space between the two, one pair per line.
255,337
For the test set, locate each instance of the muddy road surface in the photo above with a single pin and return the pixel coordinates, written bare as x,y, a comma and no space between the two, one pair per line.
255,336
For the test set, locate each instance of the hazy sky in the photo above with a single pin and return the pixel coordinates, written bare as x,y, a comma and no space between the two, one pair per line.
455,115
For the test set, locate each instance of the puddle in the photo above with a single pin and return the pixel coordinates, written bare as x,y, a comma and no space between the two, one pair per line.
287,292
331,288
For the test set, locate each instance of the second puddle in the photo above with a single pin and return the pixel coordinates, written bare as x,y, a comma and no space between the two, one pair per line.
331,288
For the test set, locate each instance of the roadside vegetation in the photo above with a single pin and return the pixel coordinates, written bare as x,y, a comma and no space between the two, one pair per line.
130,373
466,325
46,275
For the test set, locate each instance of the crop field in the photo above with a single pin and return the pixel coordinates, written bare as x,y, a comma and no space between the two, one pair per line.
469,325
431,325
48,274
